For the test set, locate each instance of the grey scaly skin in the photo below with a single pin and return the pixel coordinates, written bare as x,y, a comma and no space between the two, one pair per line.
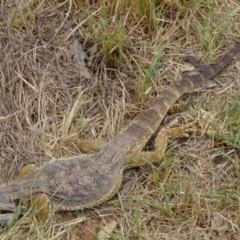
86,181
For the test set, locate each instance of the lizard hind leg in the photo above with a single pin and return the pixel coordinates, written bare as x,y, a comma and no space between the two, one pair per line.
38,205
139,158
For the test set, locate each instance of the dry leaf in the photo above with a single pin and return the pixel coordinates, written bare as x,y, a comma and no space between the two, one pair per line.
92,52
187,68
79,59
210,84
80,55
192,73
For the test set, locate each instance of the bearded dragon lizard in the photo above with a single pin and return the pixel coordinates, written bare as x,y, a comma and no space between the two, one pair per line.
86,181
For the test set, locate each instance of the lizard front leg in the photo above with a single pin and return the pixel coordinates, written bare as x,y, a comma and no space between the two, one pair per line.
91,146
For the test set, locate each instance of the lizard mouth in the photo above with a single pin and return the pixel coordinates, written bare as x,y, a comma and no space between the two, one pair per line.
7,208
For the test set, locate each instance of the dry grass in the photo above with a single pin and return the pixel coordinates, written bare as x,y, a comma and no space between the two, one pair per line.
46,104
